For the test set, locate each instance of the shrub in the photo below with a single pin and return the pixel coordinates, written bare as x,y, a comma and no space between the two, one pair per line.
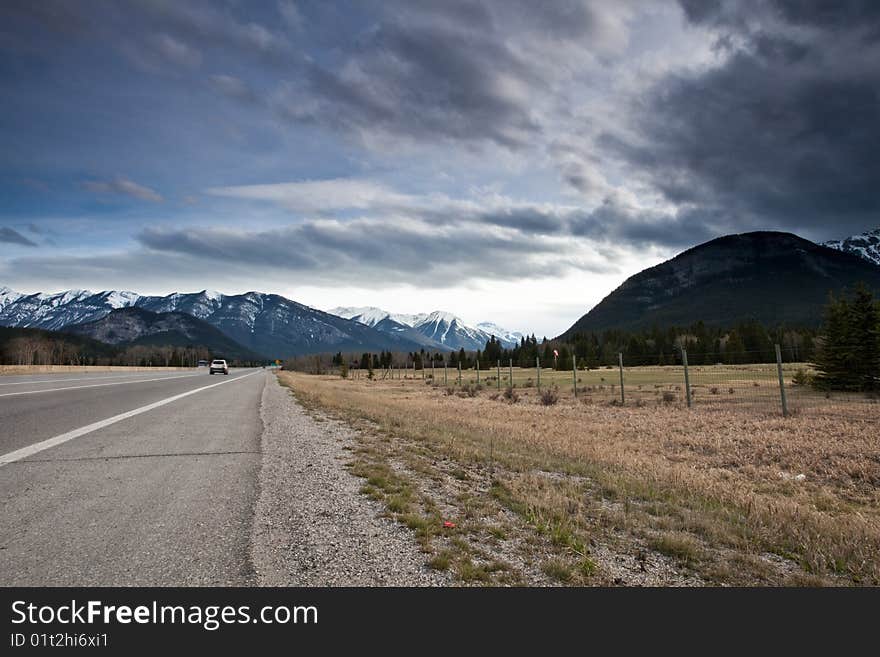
668,396
549,396
714,390
510,395
470,390
802,377
343,370
449,391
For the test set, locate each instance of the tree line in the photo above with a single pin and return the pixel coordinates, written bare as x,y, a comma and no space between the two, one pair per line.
848,357
38,347
845,350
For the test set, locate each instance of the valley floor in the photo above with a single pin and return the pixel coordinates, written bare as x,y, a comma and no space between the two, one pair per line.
590,493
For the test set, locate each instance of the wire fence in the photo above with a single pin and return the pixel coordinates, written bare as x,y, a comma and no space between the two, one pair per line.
782,387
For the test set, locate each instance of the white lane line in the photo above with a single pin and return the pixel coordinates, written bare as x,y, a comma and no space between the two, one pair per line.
97,385
82,378
30,450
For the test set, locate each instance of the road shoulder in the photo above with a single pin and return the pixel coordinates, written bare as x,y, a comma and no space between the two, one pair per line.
312,526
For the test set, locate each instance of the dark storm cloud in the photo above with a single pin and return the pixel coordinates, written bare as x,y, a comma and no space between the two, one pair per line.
425,82
371,251
12,236
154,32
826,14
784,133
430,71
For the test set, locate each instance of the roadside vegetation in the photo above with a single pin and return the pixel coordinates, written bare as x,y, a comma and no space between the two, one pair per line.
585,492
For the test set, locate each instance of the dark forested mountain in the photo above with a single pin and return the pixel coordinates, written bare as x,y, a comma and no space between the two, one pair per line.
769,277
136,326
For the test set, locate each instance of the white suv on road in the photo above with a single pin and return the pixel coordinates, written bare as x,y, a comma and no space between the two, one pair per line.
218,365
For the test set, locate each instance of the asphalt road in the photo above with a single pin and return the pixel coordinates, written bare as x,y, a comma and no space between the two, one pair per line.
162,496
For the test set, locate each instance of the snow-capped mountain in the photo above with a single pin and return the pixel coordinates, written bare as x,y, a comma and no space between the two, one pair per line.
506,337
7,296
436,328
265,323
55,311
866,245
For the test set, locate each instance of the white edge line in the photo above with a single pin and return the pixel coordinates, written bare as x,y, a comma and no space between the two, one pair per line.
30,450
97,385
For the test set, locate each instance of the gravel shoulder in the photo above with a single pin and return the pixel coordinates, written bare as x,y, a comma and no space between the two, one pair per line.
312,526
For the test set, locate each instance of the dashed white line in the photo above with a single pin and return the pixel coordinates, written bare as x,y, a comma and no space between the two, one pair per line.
30,450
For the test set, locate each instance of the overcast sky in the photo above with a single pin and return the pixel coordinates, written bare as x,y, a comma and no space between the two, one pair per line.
506,160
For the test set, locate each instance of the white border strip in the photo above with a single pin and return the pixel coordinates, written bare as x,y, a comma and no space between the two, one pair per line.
30,450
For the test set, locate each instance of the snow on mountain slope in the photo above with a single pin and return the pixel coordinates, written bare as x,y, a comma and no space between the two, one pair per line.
866,245
436,328
54,311
506,337
264,323
368,315
8,296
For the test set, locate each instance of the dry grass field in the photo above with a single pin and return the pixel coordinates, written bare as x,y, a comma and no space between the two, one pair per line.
588,492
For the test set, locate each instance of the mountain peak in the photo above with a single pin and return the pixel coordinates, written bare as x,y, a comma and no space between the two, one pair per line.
369,315
772,277
437,329
441,316
865,245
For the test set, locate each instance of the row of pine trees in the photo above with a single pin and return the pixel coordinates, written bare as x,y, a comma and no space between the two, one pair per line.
849,354
845,352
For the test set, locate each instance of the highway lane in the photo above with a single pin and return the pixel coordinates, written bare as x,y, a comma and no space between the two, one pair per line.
164,497
35,411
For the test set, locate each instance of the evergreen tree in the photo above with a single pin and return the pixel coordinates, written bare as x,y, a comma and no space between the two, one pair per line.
835,359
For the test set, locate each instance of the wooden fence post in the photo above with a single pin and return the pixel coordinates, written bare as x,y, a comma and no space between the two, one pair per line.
781,382
687,379
620,363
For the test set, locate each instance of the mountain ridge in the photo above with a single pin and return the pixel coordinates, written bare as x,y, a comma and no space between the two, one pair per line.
865,245
436,328
263,323
135,326
771,277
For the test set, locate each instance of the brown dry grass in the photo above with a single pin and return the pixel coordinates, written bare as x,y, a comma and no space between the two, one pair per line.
713,488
